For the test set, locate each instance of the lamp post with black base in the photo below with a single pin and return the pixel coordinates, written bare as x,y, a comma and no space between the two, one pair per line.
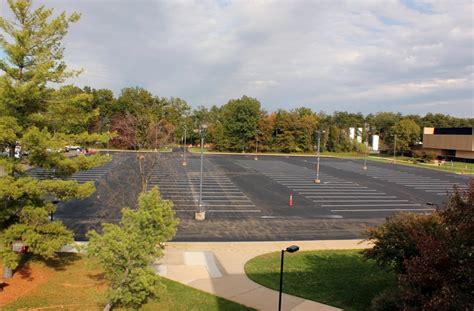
289,249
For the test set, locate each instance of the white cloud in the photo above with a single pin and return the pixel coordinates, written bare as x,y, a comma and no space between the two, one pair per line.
329,55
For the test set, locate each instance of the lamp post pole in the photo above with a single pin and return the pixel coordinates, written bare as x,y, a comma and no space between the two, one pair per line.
394,150
200,215
281,278
289,249
184,147
202,161
156,137
366,146
256,146
317,180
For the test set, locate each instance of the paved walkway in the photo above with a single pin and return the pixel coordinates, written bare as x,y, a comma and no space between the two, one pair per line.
218,268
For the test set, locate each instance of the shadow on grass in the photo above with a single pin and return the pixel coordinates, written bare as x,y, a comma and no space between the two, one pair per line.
24,272
342,279
62,260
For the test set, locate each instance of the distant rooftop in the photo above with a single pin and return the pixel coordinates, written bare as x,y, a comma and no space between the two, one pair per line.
448,130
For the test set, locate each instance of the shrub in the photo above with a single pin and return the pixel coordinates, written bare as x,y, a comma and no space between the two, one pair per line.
394,242
388,300
441,277
432,254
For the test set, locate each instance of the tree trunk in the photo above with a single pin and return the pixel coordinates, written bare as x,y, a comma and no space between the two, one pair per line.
108,307
7,272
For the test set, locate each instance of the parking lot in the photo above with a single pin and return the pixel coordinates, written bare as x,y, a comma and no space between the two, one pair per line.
248,199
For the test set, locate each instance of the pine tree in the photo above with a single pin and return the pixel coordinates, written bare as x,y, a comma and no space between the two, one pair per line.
39,120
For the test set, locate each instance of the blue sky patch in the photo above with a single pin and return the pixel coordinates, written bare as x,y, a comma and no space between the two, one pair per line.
418,6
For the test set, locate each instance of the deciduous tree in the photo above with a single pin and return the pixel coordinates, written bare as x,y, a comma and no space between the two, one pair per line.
126,250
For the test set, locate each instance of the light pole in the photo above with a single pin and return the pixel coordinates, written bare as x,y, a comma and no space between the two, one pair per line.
317,180
201,214
184,147
156,137
256,146
394,149
366,146
289,249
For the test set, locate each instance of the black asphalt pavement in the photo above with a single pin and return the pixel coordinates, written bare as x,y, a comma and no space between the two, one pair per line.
248,200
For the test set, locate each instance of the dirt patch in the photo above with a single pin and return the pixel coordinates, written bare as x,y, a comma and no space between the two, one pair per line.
26,279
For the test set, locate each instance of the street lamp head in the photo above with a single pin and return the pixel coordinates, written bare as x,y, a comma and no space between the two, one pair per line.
292,248
204,126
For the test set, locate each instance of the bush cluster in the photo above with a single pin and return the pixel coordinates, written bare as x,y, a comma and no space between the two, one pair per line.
433,256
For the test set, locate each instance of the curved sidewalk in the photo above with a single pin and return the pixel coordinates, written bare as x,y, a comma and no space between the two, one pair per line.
218,268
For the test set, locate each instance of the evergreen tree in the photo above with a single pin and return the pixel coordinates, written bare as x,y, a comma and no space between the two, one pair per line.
40,121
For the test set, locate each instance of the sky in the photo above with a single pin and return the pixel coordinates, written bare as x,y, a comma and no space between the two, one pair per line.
367,56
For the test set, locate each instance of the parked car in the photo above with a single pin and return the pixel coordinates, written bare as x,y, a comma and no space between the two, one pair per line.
73,148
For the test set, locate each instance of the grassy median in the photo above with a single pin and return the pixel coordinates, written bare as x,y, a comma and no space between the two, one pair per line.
340,278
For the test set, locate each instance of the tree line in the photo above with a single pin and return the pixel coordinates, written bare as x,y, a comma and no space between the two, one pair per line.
140,119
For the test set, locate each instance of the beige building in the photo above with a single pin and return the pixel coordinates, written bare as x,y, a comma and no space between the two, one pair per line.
449,142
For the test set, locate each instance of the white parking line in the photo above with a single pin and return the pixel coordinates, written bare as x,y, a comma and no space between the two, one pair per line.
356,201
225,196
313,184
219,205
328,187
230,201
349,197
332,191
383,210
438,190
366,205
224,211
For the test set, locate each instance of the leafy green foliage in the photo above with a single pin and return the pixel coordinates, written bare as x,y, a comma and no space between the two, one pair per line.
33,116
143,120
393,240
407,133
432,255
126,250
442,276
240,122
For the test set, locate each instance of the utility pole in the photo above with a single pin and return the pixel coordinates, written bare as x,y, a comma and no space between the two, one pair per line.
317,180
156,136
201,214
394,149
366,145
184,147
256,146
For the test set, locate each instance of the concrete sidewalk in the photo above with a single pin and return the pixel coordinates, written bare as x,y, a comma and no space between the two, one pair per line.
218,268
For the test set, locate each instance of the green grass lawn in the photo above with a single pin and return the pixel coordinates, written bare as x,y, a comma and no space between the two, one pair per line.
454,167
341,278
73,285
